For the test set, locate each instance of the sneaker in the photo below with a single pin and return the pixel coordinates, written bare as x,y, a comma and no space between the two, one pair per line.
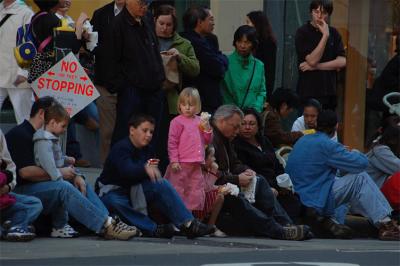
389,231
339,231
218,233
66,232
120,230
19,234
296,232
165,231
197,229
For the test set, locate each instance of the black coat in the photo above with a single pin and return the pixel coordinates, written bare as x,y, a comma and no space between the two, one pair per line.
132,50
263,162
101,21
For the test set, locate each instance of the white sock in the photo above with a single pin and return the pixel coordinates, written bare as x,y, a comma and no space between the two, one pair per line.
108,222
187,224
385,220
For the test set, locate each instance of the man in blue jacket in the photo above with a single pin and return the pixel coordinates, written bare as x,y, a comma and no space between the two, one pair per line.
199,24
313,165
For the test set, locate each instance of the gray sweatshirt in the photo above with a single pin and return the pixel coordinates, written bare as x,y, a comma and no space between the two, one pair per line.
382,164
48,153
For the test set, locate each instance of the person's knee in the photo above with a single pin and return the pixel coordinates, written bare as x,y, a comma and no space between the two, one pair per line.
37,205
163,185
361,179
62,186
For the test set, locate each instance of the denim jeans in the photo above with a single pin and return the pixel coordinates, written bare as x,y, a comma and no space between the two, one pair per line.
132,101
23,212
363,195
162,194
89,210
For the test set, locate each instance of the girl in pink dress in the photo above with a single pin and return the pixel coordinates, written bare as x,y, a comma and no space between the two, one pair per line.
188,136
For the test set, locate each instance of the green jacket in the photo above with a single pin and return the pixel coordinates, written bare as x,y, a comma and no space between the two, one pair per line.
237,79
188,65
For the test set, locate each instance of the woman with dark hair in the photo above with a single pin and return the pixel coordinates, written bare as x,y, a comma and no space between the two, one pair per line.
244,82
281,104
172,44
256,151
266,50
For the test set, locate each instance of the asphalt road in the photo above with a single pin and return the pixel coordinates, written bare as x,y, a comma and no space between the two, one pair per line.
204,251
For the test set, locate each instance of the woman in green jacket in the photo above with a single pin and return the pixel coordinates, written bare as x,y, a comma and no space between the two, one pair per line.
172,44
244,82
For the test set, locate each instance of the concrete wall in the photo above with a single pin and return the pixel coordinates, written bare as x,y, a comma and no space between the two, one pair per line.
229,15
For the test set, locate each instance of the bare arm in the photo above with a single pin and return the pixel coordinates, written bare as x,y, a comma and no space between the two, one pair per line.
315,56
36,174
33,174
335,64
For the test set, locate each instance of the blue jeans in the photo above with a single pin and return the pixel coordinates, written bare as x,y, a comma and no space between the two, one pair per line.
56,195
363,195
162,194
23,212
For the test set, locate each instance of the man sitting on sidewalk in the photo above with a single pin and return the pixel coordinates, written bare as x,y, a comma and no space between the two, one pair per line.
264,216
59,197
313,165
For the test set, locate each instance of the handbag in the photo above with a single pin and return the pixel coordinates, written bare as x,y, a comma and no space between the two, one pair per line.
248,85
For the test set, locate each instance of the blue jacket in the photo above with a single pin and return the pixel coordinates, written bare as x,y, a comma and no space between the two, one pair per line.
312,166
213,65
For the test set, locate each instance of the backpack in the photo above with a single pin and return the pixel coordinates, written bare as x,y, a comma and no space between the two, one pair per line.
26,45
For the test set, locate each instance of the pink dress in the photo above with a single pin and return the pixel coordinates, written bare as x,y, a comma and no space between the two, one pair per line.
186,145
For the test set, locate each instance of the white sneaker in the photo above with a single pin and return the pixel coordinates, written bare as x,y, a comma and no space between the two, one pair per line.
66,232
218,233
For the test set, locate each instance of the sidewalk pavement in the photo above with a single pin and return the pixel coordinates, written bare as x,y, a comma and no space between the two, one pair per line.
206,250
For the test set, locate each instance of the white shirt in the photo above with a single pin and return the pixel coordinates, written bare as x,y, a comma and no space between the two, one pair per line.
300,125
116,10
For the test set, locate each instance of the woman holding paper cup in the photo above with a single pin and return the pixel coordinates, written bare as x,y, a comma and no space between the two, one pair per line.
175,50
257,152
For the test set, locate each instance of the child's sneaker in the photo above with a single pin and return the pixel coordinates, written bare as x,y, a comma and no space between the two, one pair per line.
18,234
66,232
120,231
218,233
197,229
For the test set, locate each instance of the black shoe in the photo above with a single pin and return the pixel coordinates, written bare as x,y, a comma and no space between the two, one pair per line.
165,231
339,231
197,229
297,232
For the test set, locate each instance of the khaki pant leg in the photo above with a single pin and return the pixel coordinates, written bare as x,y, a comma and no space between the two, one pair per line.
106,105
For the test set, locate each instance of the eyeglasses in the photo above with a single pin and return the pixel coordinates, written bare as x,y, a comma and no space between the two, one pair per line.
250,124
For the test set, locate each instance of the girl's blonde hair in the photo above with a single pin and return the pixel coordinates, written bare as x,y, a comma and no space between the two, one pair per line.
194,97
